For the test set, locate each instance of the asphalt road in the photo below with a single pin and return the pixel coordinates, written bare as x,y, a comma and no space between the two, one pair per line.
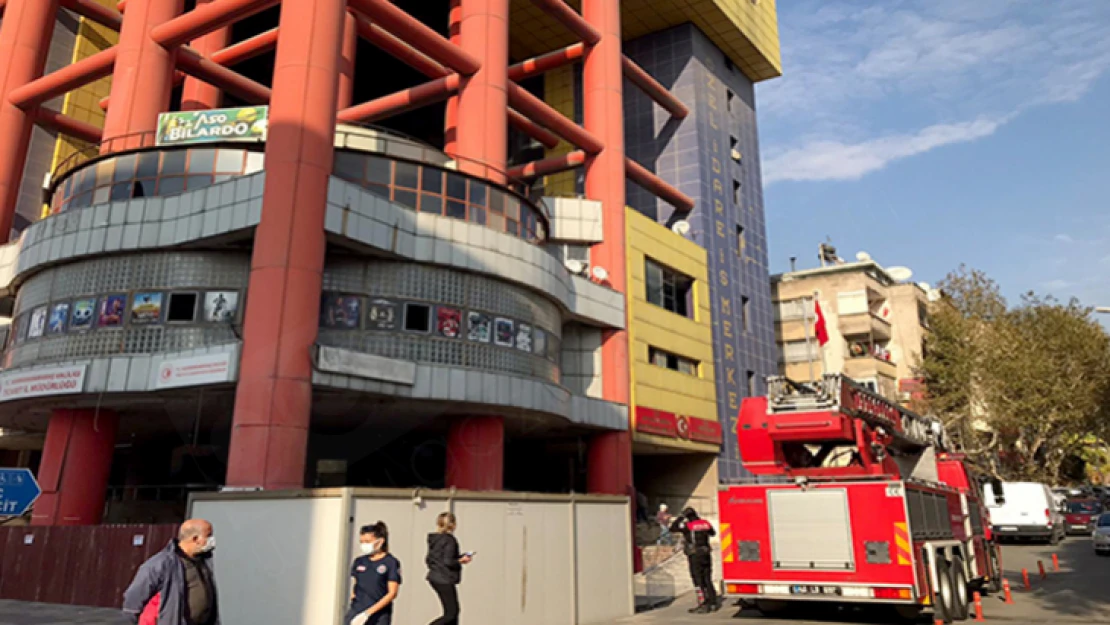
1079,593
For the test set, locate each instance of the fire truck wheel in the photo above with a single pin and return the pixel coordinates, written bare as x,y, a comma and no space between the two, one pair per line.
995,572
960,596
943,599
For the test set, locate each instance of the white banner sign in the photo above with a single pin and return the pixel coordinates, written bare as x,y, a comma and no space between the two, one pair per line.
42,382
210,369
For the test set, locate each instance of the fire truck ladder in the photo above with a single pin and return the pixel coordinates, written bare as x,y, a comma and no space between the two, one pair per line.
838,393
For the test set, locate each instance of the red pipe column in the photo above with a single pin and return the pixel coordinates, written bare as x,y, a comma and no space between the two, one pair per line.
76,461
451,115
347,62
476,454
143,77
25,34
273,400
483,100
198,95
609,467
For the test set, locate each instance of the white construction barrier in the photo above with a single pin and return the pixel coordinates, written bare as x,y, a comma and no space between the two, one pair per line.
284,558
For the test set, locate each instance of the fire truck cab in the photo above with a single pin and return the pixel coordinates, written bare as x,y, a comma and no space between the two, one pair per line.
855,499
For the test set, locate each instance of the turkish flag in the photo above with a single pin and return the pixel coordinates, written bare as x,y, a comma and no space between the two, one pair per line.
819,328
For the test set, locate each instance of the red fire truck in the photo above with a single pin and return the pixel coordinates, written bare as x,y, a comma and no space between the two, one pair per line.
855,500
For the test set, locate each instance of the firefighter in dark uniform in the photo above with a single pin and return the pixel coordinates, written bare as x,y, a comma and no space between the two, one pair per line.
696,533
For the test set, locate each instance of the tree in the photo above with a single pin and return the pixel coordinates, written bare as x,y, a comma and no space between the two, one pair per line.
1020,389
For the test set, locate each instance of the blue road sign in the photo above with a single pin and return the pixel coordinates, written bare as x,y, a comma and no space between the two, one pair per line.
18,490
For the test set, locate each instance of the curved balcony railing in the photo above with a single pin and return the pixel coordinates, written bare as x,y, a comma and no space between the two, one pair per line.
389,164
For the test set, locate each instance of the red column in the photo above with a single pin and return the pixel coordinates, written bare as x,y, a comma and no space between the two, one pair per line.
347,62
76,460
483,101
610,454
197,95
273,400
451,117
476,454
143,79
25,34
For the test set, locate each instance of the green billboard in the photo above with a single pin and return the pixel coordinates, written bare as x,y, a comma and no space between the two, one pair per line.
238,124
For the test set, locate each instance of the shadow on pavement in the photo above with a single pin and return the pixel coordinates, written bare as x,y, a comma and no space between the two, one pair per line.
1080,590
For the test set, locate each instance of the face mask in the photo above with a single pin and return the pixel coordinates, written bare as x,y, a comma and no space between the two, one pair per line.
369,548
208,545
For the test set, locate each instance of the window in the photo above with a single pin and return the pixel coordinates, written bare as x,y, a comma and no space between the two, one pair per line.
418,318
788,310
797,351
667,288
741,241
183,307
745,314
852,303
729,97
923,314
674,362
736,192
751,384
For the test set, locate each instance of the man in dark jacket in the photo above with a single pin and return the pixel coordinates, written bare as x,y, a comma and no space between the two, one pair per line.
696,533
181,574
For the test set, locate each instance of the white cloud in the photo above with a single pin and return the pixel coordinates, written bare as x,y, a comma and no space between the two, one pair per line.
833,160
1063,238
853,73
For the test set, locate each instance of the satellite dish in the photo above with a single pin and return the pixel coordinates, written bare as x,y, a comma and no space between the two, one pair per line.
600,274
900,274
574,266
681,227
925,286
863,257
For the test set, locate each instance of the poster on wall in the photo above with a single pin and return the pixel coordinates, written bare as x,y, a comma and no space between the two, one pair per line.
340,311
539,342
59,315
479,327
448,321
221,306
503,334
38,323
237,124
111,311
146,308
83,311
524,337
382,314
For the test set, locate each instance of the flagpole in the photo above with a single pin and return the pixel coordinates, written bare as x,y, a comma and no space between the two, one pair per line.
809,346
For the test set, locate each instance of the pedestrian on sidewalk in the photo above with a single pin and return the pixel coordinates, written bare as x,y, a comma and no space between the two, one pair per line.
445,567
664,518
376,577
696,533
176,586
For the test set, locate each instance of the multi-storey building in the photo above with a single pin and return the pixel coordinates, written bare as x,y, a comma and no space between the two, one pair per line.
876,325
317,242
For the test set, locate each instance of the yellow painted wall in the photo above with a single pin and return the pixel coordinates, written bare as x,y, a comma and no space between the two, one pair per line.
558,88
652,326
745,30
84,103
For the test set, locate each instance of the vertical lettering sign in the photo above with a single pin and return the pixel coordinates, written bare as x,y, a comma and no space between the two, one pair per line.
720,217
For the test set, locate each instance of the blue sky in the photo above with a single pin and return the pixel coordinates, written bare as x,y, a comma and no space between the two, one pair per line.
938,132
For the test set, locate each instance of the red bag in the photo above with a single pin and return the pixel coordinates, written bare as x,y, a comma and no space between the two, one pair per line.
150,612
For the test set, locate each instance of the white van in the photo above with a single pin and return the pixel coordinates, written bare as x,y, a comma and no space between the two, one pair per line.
1025,510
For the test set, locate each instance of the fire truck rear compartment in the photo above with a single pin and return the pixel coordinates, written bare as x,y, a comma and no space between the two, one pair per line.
810,530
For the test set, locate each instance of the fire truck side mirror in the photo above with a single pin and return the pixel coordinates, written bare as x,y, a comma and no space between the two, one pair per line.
997,491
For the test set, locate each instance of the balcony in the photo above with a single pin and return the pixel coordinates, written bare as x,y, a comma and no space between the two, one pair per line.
870,366
865,324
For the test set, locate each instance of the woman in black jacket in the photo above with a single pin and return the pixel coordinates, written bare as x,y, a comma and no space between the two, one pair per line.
445,567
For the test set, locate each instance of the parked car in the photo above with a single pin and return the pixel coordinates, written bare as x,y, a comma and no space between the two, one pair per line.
1025,510
1081,515
1100,537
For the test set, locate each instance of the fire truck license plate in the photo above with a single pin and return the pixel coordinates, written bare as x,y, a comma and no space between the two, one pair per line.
815,590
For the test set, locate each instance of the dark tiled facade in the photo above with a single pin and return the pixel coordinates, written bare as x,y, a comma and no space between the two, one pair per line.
698,155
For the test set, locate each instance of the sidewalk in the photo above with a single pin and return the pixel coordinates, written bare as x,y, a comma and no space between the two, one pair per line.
20,613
